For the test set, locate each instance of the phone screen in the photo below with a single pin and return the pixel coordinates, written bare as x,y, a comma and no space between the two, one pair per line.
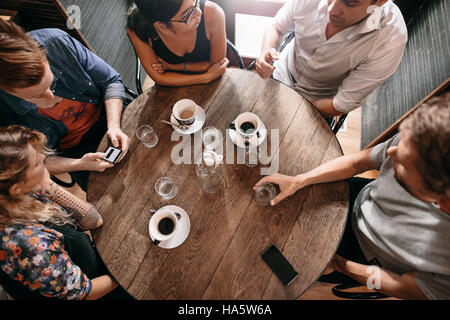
279,265
112,154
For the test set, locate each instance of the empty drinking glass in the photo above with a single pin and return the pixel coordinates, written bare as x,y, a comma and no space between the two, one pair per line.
251,156
147,136
211,138
166,188
265,193
209,171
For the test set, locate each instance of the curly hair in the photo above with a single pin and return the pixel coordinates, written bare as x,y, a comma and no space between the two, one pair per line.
14,163
428,129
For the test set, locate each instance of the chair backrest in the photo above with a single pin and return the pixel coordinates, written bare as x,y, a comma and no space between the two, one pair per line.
233,56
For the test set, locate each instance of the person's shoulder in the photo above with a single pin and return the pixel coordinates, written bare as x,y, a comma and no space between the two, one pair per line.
213,11
393,22
44,36
28,237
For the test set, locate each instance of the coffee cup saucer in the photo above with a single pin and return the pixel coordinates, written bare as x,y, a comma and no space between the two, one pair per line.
255,141
199,121
182,232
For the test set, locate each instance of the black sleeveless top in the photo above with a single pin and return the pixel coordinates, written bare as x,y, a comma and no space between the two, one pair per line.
201,52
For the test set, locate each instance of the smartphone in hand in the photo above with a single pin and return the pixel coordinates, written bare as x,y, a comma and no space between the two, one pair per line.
112,154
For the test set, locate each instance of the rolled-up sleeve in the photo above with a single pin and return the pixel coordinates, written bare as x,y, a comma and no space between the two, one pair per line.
434,286
369,74
284,20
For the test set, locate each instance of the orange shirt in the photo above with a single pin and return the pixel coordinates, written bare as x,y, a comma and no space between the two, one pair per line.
77,116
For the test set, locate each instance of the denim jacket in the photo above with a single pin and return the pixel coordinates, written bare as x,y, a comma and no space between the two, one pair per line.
78,75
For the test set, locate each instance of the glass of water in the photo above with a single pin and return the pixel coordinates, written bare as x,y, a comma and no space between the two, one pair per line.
265,193
251,156
166,188
211,138
147,136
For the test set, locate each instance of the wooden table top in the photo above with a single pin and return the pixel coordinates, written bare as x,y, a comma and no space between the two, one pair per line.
221,257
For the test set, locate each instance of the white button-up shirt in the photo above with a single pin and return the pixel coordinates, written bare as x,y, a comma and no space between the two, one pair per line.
348,66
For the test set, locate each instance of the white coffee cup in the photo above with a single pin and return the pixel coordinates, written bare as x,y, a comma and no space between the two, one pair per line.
163,225
243,127
185,111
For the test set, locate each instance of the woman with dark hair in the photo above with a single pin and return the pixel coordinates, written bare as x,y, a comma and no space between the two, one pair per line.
179,42
43,253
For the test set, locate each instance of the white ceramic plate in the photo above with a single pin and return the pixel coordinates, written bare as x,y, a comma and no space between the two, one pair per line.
200,119
184,226
254,141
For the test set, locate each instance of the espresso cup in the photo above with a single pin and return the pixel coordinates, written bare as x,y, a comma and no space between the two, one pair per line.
185,111
247,124
163,225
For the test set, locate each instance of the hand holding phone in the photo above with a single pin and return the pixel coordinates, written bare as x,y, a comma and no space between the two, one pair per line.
112,154
279,265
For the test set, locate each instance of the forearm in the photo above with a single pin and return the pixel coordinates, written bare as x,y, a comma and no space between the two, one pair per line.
84,214
326,108
176,79
195,67
387,282
101,286
272,39
339,169
113,112
56,165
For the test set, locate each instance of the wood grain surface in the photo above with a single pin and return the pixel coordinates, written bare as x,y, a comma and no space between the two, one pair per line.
221,258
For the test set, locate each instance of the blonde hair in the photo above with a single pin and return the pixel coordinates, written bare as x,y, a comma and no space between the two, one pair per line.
14,163
428,129
22,60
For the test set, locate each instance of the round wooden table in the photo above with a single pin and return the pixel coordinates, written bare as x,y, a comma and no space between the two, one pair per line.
221,257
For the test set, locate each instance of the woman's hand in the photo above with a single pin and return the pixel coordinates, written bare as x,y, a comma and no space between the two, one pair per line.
217,69
94,162
46,186
162,66
288,185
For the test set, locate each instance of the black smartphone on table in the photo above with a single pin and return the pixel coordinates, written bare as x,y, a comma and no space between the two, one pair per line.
112,154
279,265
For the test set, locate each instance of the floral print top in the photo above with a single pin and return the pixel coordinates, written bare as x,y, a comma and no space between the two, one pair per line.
34,255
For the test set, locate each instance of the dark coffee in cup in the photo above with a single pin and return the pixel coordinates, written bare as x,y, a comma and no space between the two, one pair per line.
166,226
248,127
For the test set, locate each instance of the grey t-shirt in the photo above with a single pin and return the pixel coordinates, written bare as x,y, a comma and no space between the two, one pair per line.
402,232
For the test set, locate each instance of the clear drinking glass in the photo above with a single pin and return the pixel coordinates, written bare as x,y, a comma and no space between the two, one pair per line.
147,136
166,188
209,171
265,193
251,156
211,138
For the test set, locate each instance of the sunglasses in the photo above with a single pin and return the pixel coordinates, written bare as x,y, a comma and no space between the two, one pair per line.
189,13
